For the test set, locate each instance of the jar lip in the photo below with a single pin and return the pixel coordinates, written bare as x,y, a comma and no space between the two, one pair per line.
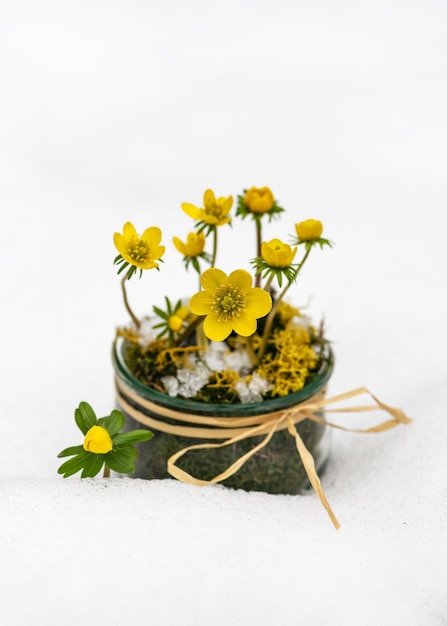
271,405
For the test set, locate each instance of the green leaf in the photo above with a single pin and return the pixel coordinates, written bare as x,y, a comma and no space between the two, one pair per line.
85,417
160,312
119,463
74,465
92,465
70,451
133,436
113,423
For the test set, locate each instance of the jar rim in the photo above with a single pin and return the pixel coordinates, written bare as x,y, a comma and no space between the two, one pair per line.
187,405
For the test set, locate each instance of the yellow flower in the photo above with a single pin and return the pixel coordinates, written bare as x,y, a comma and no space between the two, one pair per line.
215,212
277,253
229,303
195,243
140,251
175,321
98,440
309,229
259,200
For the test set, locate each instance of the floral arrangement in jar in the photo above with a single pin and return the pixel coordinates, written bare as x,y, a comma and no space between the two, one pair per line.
230,380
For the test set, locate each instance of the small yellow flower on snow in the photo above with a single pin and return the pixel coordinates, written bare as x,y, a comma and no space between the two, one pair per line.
195,243
259,200
215,211
140,251
98,440
277,253
309,229
229,303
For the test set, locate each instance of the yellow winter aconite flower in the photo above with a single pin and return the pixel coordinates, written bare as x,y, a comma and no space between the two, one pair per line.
98,440
259,199
175,321
215,211
195,243
309,229
140,251
276,253
229,303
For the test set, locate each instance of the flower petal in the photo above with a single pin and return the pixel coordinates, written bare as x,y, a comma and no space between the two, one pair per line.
213,278
129,231
241,279
259,302
227,206
192,210
178,243
209,199
215,330
200,303
245,324
151,236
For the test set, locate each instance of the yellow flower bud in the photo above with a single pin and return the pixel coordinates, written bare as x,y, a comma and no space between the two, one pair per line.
259,200
276,253
175,322
98,440
195,243
309,229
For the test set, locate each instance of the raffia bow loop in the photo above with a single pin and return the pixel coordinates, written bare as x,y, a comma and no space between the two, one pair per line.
234,429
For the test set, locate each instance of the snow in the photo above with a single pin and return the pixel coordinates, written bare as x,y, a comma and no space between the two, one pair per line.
121,111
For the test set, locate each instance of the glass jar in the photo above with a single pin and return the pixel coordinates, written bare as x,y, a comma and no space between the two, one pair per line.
276,468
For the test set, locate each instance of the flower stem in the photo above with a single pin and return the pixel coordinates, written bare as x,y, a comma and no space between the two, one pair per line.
213,260
134,318
188,331
106,473
271,315
258,246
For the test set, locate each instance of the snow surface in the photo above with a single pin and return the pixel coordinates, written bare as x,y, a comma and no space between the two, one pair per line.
116,111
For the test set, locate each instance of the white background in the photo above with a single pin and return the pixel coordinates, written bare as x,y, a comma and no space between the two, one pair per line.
116,111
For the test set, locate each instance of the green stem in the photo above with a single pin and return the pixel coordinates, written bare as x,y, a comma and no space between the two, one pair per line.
271,315
106,473
269,283
213,260
258,246
188,331
251,352
134,318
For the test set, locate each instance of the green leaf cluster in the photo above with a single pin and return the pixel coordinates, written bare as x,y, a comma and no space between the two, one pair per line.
122,456
165,315
308,243
267,271
124,264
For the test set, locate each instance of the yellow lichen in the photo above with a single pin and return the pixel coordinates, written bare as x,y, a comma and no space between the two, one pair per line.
177,356
288,365
224,379
287,312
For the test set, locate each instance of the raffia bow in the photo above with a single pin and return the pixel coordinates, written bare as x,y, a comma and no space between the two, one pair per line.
234,429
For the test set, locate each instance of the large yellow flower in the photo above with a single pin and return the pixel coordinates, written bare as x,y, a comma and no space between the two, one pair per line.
276,253
229,303
215,212
309,229
140,251
259,199
195,243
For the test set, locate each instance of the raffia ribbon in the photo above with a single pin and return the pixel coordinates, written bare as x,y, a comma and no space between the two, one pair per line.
234,429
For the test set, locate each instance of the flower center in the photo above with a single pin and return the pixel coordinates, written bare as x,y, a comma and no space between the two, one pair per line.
139,251
215,208
228,302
